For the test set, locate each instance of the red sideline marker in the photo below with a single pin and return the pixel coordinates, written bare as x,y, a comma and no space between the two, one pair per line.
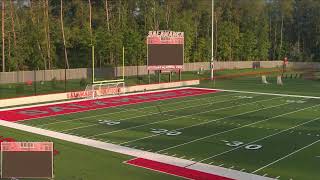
67,108
174,170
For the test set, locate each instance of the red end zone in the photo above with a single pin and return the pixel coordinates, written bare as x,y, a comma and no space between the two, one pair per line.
174,170
67,108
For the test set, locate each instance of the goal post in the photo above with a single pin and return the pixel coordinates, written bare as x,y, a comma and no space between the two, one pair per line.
108,74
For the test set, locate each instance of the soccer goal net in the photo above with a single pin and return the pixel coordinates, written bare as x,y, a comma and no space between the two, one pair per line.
104,89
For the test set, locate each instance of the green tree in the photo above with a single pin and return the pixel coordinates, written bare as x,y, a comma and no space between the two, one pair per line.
228,40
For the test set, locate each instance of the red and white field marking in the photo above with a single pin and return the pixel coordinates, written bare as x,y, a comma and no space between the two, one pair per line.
81,106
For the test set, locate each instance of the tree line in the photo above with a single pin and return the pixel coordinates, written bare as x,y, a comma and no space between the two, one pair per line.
49,34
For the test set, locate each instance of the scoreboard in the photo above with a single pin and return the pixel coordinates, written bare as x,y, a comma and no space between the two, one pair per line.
165,50
26,160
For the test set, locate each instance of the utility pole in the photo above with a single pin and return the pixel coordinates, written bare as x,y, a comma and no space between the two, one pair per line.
91,39
3,33
63,36
212,56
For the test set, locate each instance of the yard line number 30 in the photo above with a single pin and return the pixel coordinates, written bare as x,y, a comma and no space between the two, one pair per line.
166,132
110,123
239,143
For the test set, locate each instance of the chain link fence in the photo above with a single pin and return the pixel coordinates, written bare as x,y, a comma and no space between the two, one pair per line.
27,83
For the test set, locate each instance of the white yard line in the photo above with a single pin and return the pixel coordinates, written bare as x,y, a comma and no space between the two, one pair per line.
284,157
186,107
207,122
229,173
260,93
230,130
119,112
179,117
266,137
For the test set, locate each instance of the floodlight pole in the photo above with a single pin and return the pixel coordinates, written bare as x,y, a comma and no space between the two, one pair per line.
212,56
92,69
123,65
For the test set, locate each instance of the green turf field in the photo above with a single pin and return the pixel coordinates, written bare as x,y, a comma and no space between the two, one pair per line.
269,135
